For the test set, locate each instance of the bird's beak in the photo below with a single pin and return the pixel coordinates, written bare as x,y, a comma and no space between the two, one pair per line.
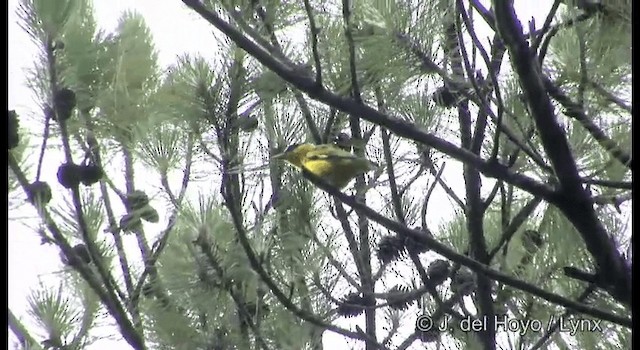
279,156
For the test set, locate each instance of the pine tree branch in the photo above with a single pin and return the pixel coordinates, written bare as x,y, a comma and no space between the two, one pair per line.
236,296
474,209
271,284
427,197
160,244
306,112
346,17
350,237
396,199
94,150
25,339
577,112
54,87
575,202
546,26
448,190
610,96
556,325
440,311
532,153
479,132
114,308
515,224
609,183
314,42
335,263
462,259
493,67
348,105
498,52
366,277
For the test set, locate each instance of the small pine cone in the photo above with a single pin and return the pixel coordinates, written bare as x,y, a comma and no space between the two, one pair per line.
463,282
69,175
90,174
444,97
130,223
438,271
398,300
247,123
82,256
83,253
149,214
39,192
390,248
64,103
136,200
415,247
353,304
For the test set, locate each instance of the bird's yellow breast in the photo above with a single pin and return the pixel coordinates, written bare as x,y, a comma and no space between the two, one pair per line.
338,172
334,165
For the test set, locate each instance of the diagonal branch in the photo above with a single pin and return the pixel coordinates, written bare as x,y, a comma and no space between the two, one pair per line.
575,202
610,96
546,26
462,259
348,105
314,41
474,209
346,15
577,112
114,308
271,284
26,340
515,224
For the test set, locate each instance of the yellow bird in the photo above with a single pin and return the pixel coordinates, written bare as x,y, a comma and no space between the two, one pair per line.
328,162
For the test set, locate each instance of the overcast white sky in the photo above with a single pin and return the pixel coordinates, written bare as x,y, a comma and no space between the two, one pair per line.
176,30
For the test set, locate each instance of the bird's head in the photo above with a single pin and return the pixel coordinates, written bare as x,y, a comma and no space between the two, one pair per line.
295,153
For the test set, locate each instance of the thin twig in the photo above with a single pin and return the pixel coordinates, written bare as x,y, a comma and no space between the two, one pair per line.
462,259
346,16
25,339
445,187
111,286
584,77
115,309
610,96
515,224
277,292
237,298
314,42
556,325
45,138
423,210
576,111
545,27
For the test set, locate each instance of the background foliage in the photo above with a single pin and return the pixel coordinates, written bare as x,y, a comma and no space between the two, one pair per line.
177,229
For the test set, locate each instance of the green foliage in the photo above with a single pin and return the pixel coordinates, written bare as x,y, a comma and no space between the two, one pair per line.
191,91
185,120
45,20
65,317
130,69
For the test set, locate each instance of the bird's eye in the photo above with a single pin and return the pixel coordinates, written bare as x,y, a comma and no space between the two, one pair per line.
291,148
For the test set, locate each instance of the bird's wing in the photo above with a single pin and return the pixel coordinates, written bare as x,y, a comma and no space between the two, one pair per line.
329,156
329,152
